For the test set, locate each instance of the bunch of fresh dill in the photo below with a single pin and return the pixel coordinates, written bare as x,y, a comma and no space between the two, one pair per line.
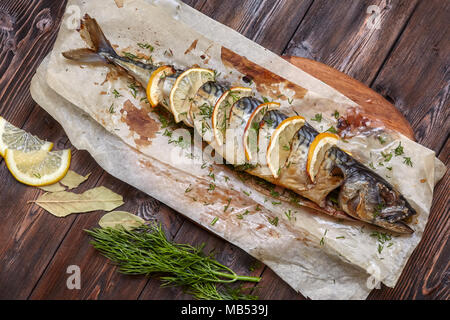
146,251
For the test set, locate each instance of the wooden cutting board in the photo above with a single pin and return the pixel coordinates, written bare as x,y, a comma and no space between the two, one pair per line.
373,105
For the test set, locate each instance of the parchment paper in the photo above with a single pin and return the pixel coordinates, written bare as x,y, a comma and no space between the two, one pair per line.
295,256
338,267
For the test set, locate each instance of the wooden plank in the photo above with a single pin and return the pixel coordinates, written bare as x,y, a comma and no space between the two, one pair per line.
30,32
416,76
196,4
99,278
271,23
373,105
339,34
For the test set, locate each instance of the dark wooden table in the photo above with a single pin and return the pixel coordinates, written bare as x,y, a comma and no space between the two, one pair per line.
406,60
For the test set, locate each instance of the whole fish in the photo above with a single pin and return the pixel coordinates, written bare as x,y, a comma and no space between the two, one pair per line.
343,187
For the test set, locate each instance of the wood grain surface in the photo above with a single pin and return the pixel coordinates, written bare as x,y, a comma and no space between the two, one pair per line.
406,60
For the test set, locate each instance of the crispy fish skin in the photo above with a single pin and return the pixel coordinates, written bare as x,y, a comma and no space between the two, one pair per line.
362,194
202,107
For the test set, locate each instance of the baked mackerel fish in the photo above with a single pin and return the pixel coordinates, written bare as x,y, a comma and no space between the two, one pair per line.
254,134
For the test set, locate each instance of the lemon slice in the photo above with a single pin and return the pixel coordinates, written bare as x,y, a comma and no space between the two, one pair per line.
239,114
270,122
221,111
154,89
251,130
18,139
184,90
280,143
202,108
320,145
38,168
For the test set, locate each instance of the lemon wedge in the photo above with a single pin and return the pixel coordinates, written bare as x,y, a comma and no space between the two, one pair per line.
251,138
317,151
184,90
280,143
38,168
154,90
221,111
18,139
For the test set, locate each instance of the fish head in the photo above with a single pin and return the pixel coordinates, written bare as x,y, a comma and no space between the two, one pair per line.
368,197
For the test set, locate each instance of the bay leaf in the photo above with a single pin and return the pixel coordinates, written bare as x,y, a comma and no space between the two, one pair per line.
63,203
53,187
72,179
121,218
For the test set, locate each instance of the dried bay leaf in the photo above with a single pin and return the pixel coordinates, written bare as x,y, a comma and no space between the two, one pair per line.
72,179
63,203
121,218
53,187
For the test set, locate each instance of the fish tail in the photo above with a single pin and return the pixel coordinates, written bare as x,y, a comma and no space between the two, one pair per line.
101,50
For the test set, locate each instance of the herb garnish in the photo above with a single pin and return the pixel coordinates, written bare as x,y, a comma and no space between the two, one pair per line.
274,193
322,241
130,55
273,221
133,89
147,251
318,117
382,239
241,216
146,46
387,156
116,93
167,133
399,150
228,205
332,129
214,221
407,161
288,214
180,142
381,139
336,114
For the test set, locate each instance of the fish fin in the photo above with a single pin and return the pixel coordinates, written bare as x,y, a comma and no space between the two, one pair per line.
84,56
102,50
99,41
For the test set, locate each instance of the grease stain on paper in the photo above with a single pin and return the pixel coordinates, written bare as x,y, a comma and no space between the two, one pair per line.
267,83
140,123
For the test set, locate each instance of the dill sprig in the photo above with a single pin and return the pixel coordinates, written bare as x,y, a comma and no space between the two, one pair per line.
147,251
